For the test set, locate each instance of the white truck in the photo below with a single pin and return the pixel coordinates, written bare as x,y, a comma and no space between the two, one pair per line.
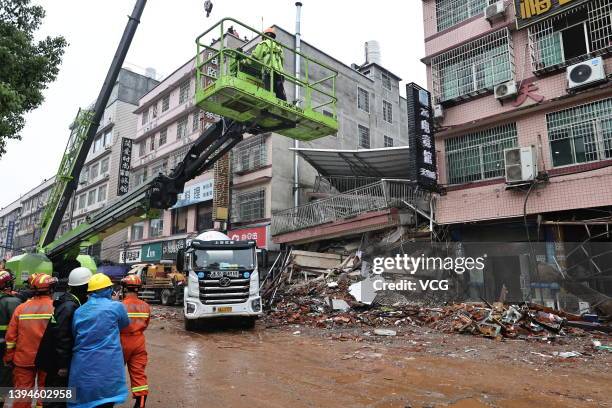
222,279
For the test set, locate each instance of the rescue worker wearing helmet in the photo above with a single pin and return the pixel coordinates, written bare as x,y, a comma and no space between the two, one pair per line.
25,332
55,352
133,339
8,304
270,54
96,369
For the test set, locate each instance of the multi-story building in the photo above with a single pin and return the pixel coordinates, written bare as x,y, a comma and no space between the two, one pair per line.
532,74
9,223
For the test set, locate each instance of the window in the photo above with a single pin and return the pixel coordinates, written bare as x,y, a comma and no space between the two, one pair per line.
145,116
163,136
480,155
91,197
142,148
82,202
152,143
137,231
386,81
581,134
102,193
154,111
364,137
156,228
179,220
452,12
165,103
363,100
563,40
388,141
184,92
196,120
249,206
473,68
387,112
159,168
108,138
98,143
250,154
204,219
104,166
181,128
94,171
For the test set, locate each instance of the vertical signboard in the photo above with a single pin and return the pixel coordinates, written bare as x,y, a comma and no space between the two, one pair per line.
421,137
10,234
125,164
221,186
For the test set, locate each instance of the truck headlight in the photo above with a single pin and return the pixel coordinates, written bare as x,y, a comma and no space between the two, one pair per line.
193,286
254,284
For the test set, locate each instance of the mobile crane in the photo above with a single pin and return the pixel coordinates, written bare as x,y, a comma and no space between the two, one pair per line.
236,93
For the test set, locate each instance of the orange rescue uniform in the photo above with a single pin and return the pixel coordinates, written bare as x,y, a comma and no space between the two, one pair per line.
133,342
25,331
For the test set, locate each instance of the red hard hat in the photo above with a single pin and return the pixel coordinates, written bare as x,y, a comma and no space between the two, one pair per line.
132,281
41,282
270,31
5,279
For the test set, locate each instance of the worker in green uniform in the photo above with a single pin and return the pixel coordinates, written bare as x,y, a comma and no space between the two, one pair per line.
270,53
8,304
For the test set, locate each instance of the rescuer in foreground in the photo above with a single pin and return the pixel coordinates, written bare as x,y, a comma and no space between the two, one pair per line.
96,370
55,352
8,304
133,339
25,332
270,53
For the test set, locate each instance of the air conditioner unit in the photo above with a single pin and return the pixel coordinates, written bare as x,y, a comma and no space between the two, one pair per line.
438,112
521,164
495,11
586,73
506,90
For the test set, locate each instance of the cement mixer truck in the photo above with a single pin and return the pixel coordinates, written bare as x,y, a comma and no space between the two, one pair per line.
222,279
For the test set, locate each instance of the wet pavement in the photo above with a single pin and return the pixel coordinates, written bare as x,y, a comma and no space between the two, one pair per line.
300,367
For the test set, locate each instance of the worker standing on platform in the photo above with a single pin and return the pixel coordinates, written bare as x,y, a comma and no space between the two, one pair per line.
208,6
8,304
133,339
270,54
96,369
25,331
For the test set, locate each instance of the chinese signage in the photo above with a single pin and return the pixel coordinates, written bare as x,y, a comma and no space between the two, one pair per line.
257,234
10,234
532,11
171,248
195,193
421,136
125,164
130,256
151,252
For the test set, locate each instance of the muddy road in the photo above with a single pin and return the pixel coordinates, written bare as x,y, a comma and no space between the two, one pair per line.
279,367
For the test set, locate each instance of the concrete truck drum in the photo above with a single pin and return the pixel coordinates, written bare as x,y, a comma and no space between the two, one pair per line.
222,279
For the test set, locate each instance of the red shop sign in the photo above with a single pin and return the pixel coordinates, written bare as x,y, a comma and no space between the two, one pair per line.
257,234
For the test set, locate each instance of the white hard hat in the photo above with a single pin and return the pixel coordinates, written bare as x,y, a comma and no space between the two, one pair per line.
79,276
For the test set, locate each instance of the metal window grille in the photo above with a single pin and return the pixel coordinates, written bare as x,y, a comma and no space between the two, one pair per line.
581,134
181,128
166,103
364,137
387,112
363,99
473,68
386,81
249,206
452,12
163,137
546,38
184,92
196,120
388,141
250,154
480,155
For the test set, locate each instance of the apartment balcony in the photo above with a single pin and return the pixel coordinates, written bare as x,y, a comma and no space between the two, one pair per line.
382,204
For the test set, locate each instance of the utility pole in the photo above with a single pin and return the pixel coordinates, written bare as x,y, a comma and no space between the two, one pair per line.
298,61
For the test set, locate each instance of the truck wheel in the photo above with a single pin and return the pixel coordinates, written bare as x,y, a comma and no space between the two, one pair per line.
190,325
249,323
167,298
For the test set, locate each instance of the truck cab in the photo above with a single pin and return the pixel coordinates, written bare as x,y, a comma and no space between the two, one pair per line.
222,279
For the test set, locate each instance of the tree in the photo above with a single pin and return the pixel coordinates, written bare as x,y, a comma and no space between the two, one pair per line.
27,66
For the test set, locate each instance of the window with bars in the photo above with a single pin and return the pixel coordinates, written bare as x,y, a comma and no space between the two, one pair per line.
473,68
250,154
184,92
386,81
388,141
571,36
581,134
452,12
181,128
165,103
163,137
387,112
363,99
249,206
364,137
196,120
480,155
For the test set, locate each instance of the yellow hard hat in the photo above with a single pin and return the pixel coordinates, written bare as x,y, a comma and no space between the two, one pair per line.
99,281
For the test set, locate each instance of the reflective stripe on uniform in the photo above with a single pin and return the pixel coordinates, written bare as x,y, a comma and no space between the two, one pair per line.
141,315
3,327
10,345
141,388
35,316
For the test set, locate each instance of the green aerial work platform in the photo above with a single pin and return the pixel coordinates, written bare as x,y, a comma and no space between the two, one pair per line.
230,83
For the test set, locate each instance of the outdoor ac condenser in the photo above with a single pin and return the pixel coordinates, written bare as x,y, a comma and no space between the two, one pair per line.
586,73
521,164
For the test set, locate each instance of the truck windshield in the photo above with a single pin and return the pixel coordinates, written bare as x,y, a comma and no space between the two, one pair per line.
224,259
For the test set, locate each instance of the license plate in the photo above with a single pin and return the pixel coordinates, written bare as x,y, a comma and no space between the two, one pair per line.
224,309
221,274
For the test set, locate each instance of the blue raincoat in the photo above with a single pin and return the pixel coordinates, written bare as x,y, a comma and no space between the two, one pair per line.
97,370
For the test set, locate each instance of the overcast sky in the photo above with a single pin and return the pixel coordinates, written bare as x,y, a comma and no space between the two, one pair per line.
165,40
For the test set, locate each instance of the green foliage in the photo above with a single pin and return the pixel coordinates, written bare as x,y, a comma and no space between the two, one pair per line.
27,66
